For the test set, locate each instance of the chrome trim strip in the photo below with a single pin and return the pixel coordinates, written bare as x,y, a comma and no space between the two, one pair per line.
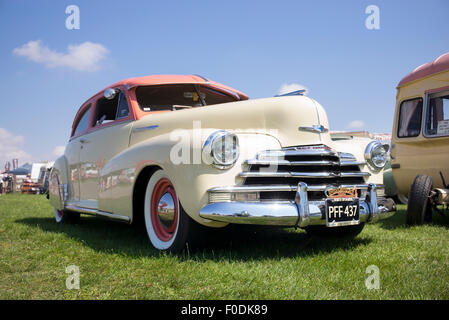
145,128
315,128
346,156
326,174
295,152
281,188
352,163
354,174
98,213
292,163
303,163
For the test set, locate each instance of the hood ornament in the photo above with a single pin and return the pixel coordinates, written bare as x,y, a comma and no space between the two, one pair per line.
315,128
300,92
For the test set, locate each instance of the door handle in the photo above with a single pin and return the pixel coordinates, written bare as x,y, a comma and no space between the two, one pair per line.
84,141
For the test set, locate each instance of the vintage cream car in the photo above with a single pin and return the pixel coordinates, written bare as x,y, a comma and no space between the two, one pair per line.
420,139
183,152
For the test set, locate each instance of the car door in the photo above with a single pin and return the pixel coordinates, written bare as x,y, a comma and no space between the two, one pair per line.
109,135
72,151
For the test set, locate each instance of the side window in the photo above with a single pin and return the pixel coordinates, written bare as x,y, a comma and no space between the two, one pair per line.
110,110
437,122
83,123
410,114
123,109
105,111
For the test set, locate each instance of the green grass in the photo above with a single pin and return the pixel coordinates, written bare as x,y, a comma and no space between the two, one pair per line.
116,261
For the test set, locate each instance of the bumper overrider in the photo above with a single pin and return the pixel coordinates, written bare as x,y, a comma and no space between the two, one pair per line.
298,213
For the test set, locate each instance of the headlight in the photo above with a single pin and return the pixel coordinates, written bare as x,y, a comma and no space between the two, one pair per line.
221,149
376,154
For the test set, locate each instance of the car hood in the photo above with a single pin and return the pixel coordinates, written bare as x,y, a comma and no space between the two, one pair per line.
280,117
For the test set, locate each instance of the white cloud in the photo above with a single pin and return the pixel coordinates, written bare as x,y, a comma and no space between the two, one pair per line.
289,87
11,148
58,151
356,124
86,56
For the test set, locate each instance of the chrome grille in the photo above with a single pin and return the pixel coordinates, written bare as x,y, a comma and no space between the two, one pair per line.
318,166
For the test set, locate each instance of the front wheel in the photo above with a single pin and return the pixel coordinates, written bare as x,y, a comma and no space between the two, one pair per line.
346,231
419,209
169,228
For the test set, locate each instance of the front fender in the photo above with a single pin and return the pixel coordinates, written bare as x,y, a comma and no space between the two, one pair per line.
357,146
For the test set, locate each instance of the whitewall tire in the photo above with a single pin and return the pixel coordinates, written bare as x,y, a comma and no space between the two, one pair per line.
64,216
168,227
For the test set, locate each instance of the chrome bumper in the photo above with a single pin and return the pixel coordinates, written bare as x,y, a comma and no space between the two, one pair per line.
299,213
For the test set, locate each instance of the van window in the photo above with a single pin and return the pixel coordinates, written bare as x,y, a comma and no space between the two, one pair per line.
83,123
437,122
410,115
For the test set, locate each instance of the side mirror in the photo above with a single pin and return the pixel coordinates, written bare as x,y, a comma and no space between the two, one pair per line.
110,93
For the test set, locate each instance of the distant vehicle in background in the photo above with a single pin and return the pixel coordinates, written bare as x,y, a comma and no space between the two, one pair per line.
420,139
44,177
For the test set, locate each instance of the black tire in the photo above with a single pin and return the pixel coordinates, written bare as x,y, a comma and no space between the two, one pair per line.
66,217
346,231
419,208
179,234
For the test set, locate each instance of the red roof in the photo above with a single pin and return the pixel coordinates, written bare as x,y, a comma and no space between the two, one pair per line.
438,65
177,79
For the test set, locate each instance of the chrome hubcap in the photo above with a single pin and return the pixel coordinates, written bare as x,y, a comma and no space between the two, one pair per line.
166,210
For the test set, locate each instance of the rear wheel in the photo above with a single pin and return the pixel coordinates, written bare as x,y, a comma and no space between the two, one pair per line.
419,208
169,228
64,216
346,231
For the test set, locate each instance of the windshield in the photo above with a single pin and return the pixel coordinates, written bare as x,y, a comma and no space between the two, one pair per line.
179,96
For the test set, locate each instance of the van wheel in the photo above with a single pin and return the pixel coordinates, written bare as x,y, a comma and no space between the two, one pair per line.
169,228
64,216
419,208
346,231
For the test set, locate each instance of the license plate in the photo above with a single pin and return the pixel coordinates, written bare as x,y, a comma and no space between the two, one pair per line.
342,212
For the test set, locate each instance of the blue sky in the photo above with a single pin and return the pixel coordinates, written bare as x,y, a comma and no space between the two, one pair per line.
253,46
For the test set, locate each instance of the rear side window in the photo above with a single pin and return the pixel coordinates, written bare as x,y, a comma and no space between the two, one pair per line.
410,115
437,122
83,123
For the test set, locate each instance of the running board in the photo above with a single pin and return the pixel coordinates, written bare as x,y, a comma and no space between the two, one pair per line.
96,212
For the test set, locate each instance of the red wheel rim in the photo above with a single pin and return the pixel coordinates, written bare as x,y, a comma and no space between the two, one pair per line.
163,232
